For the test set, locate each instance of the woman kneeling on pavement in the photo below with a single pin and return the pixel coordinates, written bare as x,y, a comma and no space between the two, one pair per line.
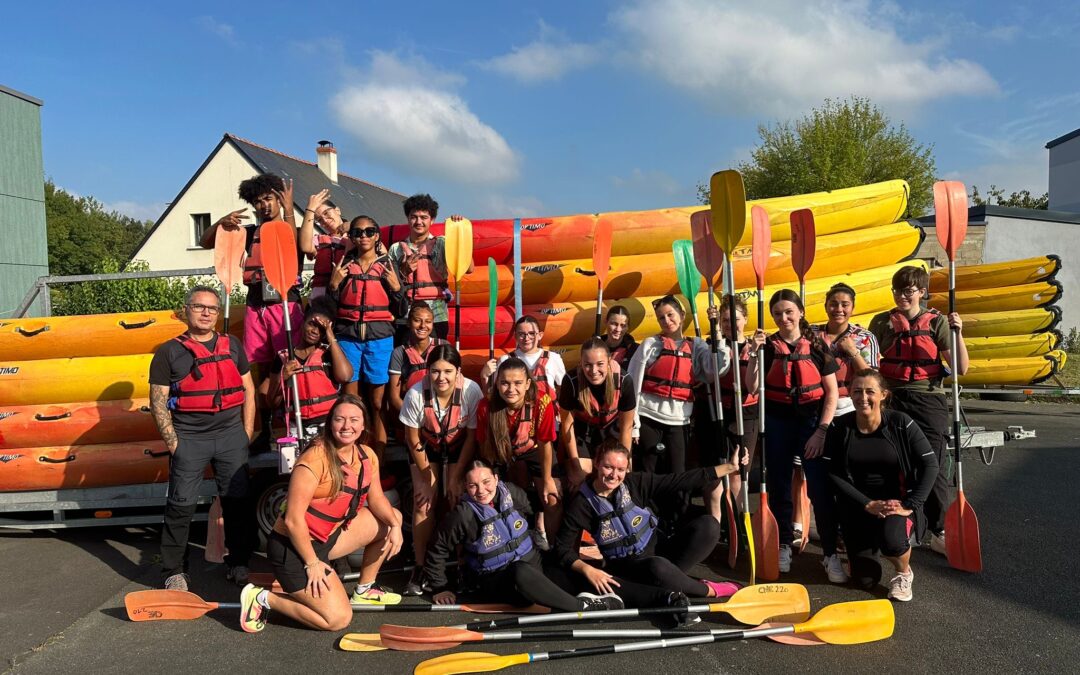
335,506
614,507
883,469
500,562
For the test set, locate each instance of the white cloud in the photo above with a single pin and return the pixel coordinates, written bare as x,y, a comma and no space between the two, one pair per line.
777,55
138,210
547,58
1021,170
404,112
509,206
648,182
219,29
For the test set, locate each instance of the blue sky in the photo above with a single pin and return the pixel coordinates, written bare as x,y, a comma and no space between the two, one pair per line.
529,108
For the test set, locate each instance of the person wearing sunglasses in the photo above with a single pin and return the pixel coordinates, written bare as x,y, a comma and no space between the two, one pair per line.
914,353
363,285
203,401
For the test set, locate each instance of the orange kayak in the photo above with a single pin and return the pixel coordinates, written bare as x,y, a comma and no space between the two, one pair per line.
76,423
98,378
83,466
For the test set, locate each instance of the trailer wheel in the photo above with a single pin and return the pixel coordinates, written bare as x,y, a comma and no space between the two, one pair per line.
270,491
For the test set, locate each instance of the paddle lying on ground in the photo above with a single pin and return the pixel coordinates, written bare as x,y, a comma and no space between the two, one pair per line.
803,249
689,279
601,261
751,605
763,522
280,266
728,203
493,302
709,260
459,246
160,605
962,545
842,624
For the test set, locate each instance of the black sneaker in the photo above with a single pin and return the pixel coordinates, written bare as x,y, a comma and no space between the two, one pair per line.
238,574
417,585
595,602
681,619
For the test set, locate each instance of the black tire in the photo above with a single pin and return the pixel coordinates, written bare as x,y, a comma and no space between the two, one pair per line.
1010,398
269,491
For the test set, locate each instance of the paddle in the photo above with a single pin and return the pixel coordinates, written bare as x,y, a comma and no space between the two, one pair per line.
962,546
728,202
843,624
228,255
266,579
280,267
160,605
766,533
517,268
459,247
601,261
689,279
750,605
493,302
803,248
709,260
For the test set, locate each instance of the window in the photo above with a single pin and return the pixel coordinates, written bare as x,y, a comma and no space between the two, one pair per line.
200,223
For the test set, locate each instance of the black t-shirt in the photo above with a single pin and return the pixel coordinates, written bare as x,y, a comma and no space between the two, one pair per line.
825,364
568,401
172,362
874,465
255,291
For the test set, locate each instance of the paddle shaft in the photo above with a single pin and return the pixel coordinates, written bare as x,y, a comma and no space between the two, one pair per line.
457,317
599,307
953,361
761,385
737,405
718,408
517,268
587,616
704,638
596,634
225,295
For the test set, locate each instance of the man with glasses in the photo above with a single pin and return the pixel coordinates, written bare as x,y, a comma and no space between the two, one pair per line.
203,401
914,352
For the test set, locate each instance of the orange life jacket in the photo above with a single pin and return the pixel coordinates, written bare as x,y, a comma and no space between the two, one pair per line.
596,413
324,514
315,383
845,373
727,381
329,250
214,382
521,437
253,266
426,282
671,375
362,296
444,437
793,377
913,355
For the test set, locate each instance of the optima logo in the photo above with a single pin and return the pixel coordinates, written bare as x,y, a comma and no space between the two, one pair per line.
534,227
542,269
9,370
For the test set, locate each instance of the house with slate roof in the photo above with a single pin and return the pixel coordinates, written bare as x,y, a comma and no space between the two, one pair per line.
173,242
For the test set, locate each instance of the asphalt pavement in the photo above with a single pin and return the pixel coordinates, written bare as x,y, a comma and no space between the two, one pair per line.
61,598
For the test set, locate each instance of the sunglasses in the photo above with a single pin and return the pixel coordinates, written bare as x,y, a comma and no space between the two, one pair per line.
369,232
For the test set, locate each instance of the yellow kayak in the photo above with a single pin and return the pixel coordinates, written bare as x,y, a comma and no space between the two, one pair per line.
1007,298
1014,371
996,275
99,378
1012,346
1020,322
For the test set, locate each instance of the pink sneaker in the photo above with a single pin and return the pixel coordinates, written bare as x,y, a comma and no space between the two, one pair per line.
722,589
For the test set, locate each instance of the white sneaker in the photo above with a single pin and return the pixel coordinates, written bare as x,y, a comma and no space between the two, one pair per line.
937,543
785,559
900,586
540,540
835,569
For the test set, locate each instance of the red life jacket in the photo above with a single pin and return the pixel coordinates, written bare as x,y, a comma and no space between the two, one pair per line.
521,437
444,437
539,370
596,414
415,367
325,513
624,352
845,373
316,385
913,355
727,381
426,282
253,266
362,296
214,383
671,375
329,250
793,377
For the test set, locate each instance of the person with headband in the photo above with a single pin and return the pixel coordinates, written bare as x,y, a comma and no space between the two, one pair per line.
618,339
800,386
854,348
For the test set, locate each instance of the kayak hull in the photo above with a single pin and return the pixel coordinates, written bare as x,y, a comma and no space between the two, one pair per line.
83,423
83,466
997,275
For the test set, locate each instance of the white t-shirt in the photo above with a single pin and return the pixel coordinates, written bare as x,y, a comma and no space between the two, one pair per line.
412,407
668,410
555,368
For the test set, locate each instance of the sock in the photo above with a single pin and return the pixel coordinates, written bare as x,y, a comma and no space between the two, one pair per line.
261,598
360,588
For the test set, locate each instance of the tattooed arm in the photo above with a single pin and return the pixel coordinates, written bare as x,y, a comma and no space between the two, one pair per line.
159,400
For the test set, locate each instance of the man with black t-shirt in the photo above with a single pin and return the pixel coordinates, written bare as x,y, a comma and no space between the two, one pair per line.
203,402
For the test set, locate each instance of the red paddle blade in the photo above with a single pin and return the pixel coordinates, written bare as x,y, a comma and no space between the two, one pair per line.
278,240
762,243
803,241
733,530
601,249
955,223
962,546
161,605
727,198
228,253
766,541
708,256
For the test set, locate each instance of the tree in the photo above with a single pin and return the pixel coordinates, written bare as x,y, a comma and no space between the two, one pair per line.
82,233
995,196
841,144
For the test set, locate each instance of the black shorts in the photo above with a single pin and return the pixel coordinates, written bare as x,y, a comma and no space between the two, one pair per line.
716,447
288,565
530,462
437,458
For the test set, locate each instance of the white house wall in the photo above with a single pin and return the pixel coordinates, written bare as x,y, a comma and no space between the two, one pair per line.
172,245
1065,176
1016,238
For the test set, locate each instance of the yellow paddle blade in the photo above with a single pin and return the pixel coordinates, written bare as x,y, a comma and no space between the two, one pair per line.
851,623
468,662
459,246
361,642
727,202
785,603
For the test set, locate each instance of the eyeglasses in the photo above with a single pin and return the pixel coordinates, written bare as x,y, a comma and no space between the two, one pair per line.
369,232
526,336
209,309
906,292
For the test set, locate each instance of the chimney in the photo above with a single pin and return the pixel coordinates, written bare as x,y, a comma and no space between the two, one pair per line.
327,160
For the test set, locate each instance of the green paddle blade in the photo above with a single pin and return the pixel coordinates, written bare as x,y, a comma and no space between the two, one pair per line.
728,207
469,662
685,269
493,294
852,623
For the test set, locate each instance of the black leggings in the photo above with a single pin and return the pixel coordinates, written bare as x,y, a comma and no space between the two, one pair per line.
931,412
673,558
525,580
865,535
649,456
633,594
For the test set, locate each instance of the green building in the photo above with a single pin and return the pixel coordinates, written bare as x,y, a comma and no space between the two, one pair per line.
24,254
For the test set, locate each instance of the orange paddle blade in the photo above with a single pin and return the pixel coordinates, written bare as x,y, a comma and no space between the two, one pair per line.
727,199
278,240
762,243
733,529
427,634
601,249
962,546
801,500
228,254
215,534
803,241
766,541
165,605
951,227
708,256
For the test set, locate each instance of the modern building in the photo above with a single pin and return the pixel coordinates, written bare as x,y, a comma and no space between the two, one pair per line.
25,254
173,242
1064,185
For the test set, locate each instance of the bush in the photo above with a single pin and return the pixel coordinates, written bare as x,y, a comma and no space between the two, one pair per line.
128,295
1071,342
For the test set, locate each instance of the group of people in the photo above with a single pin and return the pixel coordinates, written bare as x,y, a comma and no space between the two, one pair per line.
515,473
